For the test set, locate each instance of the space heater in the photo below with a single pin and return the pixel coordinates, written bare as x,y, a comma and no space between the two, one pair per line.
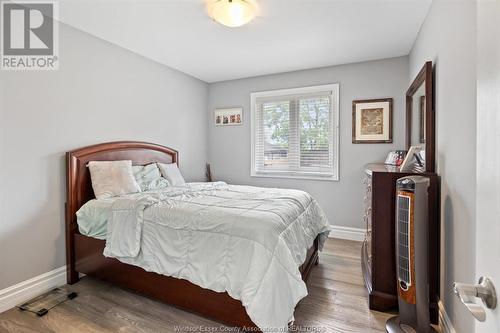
412,240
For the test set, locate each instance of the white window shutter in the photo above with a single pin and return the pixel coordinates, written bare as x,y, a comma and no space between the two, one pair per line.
295,133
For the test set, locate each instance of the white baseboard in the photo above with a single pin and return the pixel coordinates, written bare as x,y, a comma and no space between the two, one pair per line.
355,234
23,291
444,321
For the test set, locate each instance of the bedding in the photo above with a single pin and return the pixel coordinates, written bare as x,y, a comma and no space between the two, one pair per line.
172,174
148,177
244,240
92,217
112,178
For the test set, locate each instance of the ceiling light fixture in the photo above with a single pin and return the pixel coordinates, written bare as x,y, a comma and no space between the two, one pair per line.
232,13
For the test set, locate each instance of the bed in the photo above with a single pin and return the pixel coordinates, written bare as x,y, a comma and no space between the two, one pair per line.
84,254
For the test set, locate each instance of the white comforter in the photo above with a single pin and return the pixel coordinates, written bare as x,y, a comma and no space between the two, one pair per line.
245,240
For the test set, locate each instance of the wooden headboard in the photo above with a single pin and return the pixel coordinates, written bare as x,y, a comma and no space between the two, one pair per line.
78,185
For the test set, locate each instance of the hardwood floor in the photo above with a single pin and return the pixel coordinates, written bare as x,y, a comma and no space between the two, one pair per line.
337,302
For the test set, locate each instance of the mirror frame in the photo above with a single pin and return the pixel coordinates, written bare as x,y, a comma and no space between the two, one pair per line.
425,75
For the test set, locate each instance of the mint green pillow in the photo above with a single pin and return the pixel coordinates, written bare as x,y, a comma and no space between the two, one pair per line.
148,177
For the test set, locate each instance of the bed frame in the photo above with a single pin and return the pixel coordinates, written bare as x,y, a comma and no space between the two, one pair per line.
84,254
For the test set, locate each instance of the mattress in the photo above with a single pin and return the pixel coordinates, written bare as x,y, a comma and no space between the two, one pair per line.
246,241
92,217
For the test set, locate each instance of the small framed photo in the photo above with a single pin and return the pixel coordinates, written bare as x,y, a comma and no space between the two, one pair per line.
228,117
414,160
372,121
395,157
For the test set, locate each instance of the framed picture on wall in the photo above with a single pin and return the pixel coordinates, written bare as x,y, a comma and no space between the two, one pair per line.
228,116
372,121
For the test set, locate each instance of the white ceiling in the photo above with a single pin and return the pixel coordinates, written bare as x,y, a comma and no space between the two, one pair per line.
287,35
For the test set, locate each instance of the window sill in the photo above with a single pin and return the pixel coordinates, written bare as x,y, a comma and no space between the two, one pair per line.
297,176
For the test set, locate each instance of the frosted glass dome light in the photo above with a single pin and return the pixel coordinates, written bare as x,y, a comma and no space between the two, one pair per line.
232,13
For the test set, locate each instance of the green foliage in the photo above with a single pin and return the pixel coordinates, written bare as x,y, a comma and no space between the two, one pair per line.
315,123
276,123
314,114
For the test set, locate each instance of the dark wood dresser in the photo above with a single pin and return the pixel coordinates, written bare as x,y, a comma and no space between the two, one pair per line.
378,251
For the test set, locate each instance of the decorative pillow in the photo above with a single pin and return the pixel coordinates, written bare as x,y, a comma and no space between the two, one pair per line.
112,178
172,174
148,177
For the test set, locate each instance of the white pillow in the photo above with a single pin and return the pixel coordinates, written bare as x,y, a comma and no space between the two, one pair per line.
112,178
172,174
148,177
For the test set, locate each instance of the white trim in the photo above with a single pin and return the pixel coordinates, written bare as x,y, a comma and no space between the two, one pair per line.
23,291
298,175
296,91
444,321
355,234
334,88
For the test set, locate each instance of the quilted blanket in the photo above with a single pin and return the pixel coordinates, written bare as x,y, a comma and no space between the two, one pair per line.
247,241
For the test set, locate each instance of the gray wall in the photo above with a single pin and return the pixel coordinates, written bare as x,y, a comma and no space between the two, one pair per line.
448,37
229,147
101,93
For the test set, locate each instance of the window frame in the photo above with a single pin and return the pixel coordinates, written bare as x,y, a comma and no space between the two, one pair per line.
334,108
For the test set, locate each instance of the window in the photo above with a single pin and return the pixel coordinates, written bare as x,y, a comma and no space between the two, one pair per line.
295,133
